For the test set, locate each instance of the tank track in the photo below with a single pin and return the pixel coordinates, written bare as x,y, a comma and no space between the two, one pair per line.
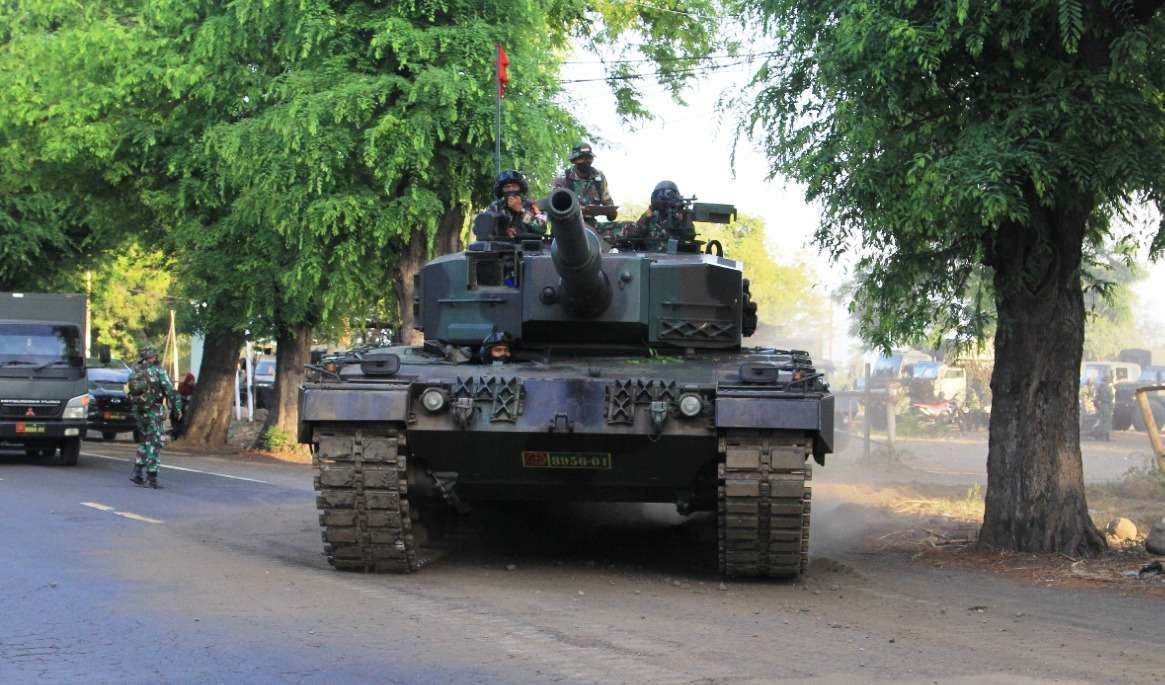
367,522
763,504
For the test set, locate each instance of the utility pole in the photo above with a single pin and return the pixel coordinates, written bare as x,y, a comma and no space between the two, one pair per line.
88,312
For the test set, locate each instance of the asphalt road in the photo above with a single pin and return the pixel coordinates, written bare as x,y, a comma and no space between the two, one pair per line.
220,578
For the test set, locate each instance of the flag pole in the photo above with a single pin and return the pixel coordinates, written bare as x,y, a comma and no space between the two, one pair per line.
498,108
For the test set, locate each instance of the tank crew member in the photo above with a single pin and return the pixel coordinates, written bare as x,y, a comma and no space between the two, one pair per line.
496,348
519,214
666,217
147,387
587,182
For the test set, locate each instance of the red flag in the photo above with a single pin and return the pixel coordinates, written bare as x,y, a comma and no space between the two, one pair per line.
503,72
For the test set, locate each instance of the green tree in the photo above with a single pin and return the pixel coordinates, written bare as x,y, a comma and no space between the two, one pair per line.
129,304
943,137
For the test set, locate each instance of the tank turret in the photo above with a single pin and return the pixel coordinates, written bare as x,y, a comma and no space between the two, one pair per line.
577,256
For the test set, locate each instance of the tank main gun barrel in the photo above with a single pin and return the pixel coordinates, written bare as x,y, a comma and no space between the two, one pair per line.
576,253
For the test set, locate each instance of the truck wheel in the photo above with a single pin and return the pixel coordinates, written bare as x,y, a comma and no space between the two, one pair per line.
108,435
1158,407
70,451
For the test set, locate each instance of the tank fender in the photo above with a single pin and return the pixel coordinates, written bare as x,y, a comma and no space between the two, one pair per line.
809,413
350,404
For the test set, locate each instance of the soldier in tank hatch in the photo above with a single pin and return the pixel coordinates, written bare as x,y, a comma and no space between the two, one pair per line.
666,217
497,348
518,215
587,182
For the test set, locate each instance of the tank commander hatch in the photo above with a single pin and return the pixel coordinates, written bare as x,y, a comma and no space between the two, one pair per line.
510,215
667,217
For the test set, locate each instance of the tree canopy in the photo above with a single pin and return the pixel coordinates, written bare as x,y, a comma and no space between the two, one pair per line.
945,139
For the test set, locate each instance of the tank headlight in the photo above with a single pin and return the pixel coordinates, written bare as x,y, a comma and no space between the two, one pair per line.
433,400
77,408
691,405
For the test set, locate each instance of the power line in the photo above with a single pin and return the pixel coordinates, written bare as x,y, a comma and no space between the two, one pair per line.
693,71
747,55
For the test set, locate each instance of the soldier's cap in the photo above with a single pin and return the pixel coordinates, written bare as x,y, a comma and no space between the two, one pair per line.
146,352
581,150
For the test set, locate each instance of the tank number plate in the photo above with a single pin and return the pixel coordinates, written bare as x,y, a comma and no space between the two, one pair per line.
535,459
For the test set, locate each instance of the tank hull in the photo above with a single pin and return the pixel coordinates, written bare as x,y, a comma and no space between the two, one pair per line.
681,429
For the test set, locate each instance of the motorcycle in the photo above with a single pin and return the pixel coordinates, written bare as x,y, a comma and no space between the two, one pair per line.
942,414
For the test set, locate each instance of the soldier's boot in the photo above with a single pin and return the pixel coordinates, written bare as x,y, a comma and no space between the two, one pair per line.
137,475
153,480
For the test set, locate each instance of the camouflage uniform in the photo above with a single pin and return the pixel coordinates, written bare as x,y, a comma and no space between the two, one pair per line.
591,190
587,182
149,414
529,221
667,218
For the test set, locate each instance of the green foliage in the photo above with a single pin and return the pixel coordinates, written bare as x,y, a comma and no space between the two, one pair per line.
74,139
129,303
285,151
923,130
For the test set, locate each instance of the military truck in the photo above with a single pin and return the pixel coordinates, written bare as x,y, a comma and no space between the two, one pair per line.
44,394
624,380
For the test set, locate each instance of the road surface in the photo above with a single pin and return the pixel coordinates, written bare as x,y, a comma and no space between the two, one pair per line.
220,577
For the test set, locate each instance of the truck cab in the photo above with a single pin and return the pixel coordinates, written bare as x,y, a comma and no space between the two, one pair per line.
44,393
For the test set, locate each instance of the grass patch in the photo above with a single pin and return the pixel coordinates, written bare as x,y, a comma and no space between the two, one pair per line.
969,507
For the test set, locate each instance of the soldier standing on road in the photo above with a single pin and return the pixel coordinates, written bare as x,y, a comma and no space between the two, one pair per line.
148,387
1105,398
587,182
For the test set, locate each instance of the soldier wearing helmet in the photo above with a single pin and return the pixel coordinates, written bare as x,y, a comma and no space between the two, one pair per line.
587,182
518,215
666,217
497,348
148,386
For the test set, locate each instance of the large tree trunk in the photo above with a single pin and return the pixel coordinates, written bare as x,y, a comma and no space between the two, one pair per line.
210,408
292,352
1035,481
447,239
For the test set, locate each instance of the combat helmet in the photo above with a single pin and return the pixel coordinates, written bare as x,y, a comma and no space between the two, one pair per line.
581,150
510,176
665,195
501,341
146,352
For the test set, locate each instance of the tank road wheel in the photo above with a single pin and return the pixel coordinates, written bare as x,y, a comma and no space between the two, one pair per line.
366,519
763,504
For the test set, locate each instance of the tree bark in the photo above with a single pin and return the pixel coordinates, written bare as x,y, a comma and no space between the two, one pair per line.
1035,482
210,407
416,253
292,352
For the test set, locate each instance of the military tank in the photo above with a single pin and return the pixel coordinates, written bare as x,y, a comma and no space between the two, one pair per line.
625,381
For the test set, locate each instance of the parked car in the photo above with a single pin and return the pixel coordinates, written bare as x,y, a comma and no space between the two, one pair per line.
110,412
935,381
264,383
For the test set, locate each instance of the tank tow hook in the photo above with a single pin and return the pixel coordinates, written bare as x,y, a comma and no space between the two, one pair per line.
446,482
463,411
561,423
658,416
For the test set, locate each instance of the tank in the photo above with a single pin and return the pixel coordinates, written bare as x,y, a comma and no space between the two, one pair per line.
627,382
